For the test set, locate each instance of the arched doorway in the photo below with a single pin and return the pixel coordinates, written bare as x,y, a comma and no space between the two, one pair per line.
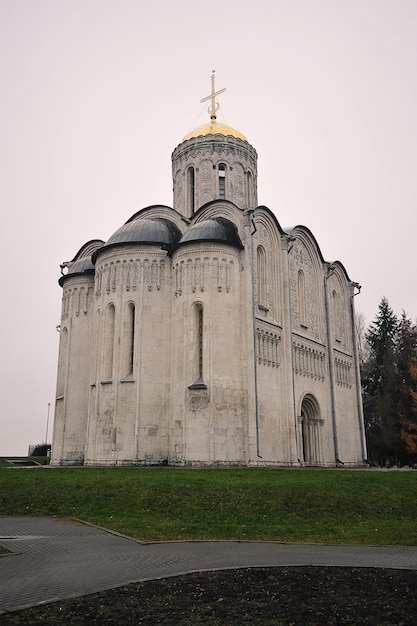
310,422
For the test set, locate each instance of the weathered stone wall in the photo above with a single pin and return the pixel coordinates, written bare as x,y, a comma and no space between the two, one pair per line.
71,407
128,411
209,396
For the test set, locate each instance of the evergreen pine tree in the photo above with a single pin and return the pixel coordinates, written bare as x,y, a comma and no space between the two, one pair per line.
407,388
379,387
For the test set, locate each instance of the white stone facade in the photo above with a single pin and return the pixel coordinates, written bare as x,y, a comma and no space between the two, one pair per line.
205,334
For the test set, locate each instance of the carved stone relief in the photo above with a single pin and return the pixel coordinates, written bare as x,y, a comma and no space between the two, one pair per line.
300,260
309,361
343,372
75,301
198,399
81,303
129,275
338,317
266,296
179,189
268,347
238,191
198,273
207,190
65,303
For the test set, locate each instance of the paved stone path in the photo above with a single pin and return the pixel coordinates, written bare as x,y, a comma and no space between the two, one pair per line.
54,559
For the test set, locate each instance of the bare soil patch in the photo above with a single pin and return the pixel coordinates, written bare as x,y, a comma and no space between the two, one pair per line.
322,596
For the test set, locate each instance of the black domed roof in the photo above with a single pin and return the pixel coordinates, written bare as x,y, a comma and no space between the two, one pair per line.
214,229
81,266
155,231
147,230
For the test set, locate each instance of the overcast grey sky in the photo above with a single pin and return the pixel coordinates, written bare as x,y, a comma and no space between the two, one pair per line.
97,93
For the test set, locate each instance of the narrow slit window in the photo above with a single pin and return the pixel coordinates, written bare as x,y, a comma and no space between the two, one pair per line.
262,279
198,348
302,298
222,181
337,314
200,341
109,343
191,190
131,338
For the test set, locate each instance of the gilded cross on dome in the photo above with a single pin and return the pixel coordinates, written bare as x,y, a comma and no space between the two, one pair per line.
214,106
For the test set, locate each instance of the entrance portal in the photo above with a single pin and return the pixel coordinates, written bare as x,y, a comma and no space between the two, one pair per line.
311,422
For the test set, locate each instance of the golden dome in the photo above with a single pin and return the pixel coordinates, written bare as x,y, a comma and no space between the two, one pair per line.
213,128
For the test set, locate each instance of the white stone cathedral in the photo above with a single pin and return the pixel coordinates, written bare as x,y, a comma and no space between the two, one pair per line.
206,334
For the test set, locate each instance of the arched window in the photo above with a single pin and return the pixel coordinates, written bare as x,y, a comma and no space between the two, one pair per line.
301,298
198,346
338,318
108,348
262,289
199,328
130,339
191,190
222,181
334,315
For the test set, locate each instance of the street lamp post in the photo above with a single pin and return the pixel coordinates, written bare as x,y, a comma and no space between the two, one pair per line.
47,423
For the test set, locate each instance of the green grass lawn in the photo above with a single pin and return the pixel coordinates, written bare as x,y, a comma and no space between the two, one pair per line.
154,504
